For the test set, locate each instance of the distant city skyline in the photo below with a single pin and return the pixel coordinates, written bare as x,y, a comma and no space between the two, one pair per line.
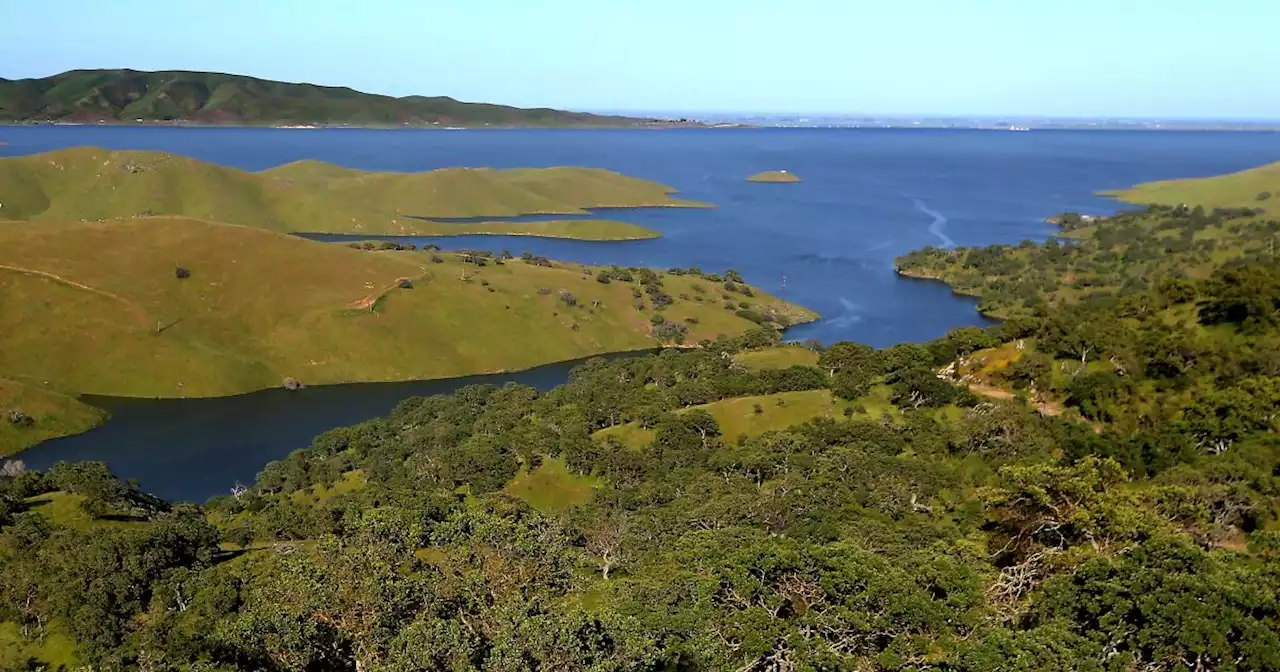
1091,59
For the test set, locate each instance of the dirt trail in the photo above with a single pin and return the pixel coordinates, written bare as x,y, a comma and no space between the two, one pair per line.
992,392
134,308
1053,408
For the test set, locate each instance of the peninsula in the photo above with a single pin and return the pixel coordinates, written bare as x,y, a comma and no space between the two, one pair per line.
210,98
317,197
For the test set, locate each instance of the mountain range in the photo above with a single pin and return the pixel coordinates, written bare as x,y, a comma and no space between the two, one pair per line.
130,96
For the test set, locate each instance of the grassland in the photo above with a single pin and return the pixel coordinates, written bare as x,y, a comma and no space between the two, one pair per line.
55,652
749,417
52,414
95,307
781,357
552,487
1237,190
91,184
774,176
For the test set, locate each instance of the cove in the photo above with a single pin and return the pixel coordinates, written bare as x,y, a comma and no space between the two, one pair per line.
193,449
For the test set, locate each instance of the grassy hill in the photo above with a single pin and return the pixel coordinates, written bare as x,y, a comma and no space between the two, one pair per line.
96,307
1253,188
315,197
216,98
49,415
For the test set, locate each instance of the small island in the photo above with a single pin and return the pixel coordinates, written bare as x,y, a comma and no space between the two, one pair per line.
774,176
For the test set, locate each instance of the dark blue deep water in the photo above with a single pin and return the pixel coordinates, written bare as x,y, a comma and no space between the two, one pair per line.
828,242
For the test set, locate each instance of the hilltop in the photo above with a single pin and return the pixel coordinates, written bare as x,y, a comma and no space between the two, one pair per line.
89,183
97,307
130,96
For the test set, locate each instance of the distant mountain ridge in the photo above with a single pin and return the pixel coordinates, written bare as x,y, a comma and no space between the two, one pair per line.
131,96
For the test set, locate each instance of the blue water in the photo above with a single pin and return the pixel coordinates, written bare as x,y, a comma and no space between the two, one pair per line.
828,242
867,195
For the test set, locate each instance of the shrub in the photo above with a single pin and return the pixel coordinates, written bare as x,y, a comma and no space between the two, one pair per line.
569,299
670,332
20,419
181,273
405,283
757,409
293,384
543,291
603,278
1264,196
435,259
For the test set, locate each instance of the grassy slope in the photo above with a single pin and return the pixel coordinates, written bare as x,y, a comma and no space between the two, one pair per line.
781,357
55,415
207,97
93,184
82,304
552,488
774,176
737,417
1237,190
57,651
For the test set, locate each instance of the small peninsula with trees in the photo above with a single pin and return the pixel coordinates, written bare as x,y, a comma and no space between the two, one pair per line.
775,176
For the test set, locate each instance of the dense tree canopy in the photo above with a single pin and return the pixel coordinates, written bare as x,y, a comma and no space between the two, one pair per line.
1089,485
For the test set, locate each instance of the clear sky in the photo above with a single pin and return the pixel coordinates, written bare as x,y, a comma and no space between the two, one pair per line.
1134,58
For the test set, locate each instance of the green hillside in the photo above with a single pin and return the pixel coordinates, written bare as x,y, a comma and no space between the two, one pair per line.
1253,188
1191,229
29,414
313,197
215,98
96,308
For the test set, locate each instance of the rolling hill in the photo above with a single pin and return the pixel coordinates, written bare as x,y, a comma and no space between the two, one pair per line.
314,197
129,96
1253,188
97,307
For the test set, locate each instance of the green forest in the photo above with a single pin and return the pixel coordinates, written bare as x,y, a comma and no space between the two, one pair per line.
1092,484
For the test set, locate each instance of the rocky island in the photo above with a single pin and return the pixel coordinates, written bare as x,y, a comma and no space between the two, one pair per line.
774,176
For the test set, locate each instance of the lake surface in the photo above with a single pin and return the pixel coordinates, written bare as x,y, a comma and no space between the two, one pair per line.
828,243
193,449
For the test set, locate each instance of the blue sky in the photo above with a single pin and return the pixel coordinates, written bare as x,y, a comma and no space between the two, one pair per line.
1129,58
